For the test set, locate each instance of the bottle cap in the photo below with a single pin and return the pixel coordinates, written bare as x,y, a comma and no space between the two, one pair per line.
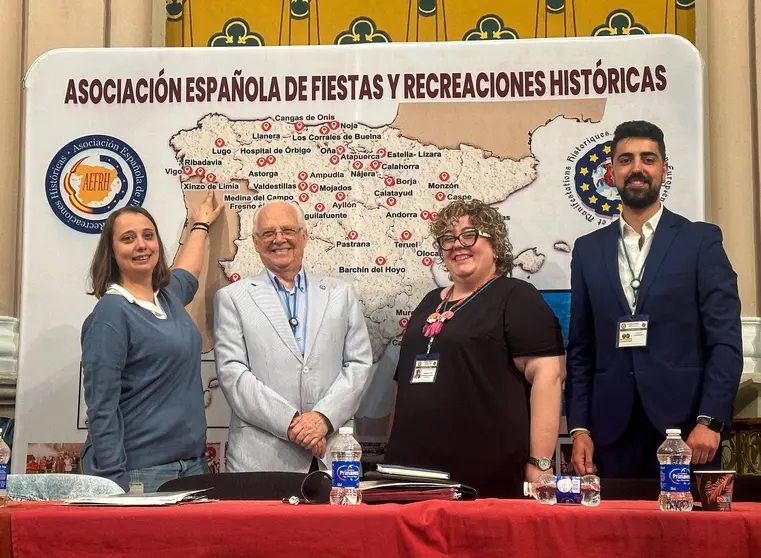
346,430
673,432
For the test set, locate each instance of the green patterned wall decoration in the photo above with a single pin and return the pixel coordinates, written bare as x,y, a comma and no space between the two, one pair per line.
173,10
318,22
555,6
427,8
236,32
490,28
362,30
299,9
619,22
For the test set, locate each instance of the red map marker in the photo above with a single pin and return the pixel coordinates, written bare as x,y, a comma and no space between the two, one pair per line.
340,150
357,165
200,171
403,322
340,196
266,126
406,235
303,197
261,162
427,261
380,260
334,159
389,181
314,188
302,186
444,176
441,196
424,214
324,130
320,207
334,125
381,152
235,277
211,177
219,142
433,216
353,235
375,165
298,126
391,202
303,175
271,159
187,170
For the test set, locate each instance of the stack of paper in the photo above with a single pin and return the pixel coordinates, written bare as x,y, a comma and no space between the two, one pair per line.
141,499
383,491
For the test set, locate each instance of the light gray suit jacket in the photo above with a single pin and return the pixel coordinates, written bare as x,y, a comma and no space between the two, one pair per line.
265,378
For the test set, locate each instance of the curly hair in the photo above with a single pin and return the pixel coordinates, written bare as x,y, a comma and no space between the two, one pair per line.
486,219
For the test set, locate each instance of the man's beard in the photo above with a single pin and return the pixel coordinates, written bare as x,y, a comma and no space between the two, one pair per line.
639,199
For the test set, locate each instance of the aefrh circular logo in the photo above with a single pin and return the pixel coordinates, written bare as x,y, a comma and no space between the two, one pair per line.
92,176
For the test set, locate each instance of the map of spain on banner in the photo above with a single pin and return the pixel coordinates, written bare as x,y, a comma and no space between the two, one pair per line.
371,142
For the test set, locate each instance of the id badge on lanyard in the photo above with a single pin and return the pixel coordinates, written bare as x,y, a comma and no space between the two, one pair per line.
426,367
632,331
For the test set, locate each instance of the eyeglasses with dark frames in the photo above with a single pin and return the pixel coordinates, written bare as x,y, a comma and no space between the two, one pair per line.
466,238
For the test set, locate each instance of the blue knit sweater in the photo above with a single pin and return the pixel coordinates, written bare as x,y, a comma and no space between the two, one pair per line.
142,381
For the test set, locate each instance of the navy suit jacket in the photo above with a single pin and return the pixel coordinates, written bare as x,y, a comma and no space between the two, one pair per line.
693,359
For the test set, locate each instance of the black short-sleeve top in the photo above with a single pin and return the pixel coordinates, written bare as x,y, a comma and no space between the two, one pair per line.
473,420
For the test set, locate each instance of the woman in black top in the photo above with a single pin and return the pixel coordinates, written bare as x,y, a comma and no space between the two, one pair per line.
481,365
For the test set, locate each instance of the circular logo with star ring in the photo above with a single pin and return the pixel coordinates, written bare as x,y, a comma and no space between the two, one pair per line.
92,176
591,178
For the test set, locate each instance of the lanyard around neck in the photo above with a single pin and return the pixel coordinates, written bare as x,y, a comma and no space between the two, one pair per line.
293,321
636,281
436,320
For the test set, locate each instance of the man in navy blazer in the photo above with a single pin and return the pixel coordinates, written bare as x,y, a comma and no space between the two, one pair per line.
654,340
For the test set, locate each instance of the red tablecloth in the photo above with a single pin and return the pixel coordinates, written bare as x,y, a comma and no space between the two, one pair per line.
481,528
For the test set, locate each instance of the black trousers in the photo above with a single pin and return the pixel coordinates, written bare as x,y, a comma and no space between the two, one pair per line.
633,455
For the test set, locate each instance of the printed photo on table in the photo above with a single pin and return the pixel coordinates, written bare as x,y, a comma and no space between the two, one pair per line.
53,458
212,457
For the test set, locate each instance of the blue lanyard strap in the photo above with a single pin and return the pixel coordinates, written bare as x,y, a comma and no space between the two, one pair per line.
292,320
444,307
469,298
636,279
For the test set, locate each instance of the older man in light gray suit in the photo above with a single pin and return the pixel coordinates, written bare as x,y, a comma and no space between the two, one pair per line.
292,350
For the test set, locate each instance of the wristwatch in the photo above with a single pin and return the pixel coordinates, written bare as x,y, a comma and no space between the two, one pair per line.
714,424
541,463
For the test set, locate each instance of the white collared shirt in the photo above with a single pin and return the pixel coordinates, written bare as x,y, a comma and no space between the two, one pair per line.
154,307
637,255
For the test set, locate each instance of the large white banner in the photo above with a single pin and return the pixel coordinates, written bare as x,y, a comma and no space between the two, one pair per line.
370,140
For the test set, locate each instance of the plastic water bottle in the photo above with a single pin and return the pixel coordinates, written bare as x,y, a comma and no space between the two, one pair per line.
550,489
5,457
674,457
346,456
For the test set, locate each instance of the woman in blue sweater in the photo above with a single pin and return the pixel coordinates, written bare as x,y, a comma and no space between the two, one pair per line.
141,354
